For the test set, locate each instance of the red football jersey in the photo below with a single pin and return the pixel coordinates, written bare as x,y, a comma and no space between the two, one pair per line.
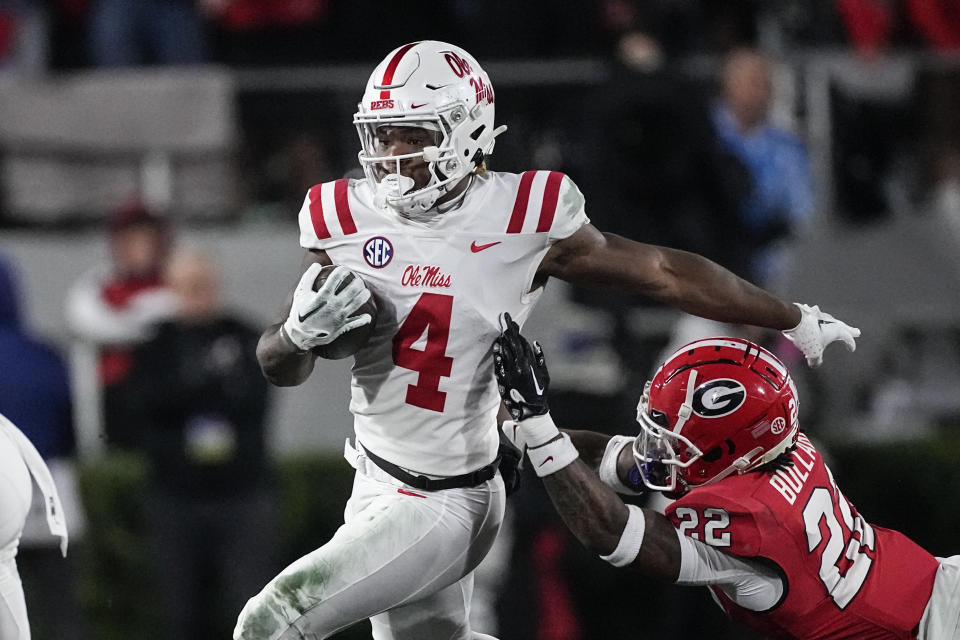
844,577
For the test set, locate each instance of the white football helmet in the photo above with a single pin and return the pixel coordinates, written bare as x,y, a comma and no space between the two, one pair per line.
438,87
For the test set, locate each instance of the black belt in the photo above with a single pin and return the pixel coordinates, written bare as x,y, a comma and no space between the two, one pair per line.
424,483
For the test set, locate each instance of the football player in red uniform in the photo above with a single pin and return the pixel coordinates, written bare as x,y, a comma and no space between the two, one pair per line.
757,516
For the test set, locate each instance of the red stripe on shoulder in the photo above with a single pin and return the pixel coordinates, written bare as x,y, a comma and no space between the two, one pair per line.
550,195
392,68
316,212
520,204
343,207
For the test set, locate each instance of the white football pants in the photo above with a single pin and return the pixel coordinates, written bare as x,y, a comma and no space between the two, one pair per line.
941,619
403,558
16,493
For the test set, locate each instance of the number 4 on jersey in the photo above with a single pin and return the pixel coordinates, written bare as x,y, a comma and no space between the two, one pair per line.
431,314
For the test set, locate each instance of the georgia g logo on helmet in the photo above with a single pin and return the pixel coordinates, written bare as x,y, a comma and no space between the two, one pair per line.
718,398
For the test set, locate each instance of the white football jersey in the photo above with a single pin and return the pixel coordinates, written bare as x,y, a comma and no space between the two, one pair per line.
424,395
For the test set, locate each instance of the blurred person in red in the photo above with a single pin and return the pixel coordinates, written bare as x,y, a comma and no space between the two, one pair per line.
115,305
875,26
268,31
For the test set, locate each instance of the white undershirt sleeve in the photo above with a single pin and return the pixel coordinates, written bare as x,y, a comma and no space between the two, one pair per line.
751,584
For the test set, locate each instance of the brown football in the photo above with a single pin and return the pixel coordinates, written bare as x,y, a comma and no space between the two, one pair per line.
352,341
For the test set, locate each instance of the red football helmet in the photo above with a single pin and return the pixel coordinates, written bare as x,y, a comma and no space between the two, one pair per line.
715,407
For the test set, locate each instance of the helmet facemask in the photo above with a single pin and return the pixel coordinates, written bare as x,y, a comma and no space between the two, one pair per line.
658,450
434,86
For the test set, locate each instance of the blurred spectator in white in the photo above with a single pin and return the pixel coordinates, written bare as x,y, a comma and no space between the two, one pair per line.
35,395
781,199
23,37
115,306
126,33
198,396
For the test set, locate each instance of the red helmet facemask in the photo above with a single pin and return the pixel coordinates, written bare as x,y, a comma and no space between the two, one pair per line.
716,407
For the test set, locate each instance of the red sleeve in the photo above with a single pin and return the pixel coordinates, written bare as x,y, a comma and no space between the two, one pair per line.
719,520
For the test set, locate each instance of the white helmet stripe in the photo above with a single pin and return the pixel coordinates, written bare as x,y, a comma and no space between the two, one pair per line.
736,344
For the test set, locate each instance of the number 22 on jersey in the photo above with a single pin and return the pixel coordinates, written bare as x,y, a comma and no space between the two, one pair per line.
430,315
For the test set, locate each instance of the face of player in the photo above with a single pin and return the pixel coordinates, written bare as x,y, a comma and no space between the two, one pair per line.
396,141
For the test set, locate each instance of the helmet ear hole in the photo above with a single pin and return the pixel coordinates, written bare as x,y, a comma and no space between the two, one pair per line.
713,455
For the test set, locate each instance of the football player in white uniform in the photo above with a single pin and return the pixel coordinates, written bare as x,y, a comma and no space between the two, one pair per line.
19,460
445,246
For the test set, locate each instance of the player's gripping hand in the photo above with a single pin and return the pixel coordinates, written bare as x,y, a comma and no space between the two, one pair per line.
818,329
521,370
320,317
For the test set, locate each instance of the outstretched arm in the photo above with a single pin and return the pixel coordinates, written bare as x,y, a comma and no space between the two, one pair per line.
642,539
691,283
282,363
598,517
681,279
590,509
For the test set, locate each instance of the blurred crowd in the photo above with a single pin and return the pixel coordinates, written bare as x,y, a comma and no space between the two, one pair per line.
71,34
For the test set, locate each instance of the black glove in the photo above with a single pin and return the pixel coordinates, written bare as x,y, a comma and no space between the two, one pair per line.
510,458
522,376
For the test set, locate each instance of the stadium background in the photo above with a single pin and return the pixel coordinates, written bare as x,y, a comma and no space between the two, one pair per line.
225,148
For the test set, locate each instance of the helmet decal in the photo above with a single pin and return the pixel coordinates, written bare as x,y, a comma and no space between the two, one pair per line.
716,407
391,69
718,398
778,425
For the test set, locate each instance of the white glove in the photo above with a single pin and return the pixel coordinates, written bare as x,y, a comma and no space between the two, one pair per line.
534,431
537,436
320,317
818,329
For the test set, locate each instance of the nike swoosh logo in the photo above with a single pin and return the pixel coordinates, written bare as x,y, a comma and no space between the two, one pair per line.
480,247
536,383
307,314
549,458
417,106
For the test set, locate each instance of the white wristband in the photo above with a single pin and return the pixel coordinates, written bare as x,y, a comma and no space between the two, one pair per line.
608,465
538,430
552,456
630,540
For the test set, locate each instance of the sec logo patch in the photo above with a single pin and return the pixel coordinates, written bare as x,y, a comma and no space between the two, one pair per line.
378,252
